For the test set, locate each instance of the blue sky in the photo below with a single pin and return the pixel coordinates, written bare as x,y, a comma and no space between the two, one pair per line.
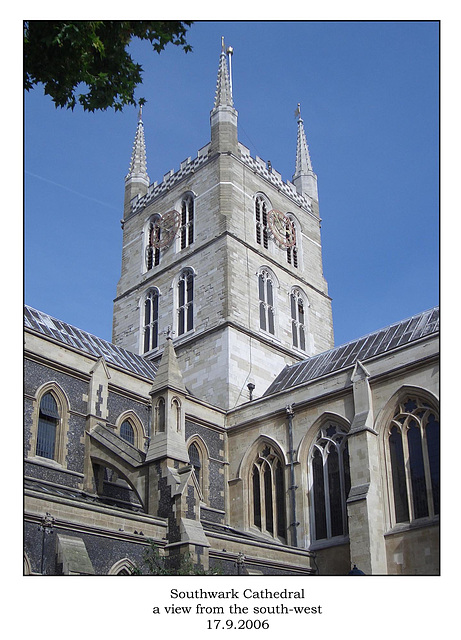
369,101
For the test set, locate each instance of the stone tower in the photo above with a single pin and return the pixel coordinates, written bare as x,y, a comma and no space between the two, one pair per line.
224,257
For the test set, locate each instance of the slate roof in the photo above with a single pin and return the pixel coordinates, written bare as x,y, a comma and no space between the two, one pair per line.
76,338
346,355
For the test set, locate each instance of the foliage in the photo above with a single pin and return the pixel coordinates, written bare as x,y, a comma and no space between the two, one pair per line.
157,565
92,55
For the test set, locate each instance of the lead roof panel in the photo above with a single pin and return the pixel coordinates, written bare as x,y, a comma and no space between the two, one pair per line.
72,336
364,348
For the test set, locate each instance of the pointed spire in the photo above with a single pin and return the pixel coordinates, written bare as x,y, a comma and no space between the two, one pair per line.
223,95
138,164
303,159
223,117
304,177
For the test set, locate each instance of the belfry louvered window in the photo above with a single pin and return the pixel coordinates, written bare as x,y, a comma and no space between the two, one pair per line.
150,328
185,301
48,424
292,251
186,230
330,482
152,247
262,228
266,302
414,447
268,493
127,432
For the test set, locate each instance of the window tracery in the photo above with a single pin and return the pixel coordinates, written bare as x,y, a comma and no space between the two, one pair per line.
185,301
266,301
413,440
267,488
330,482
261,221
127,431
153,242
150,321
186,229
48,426
298,308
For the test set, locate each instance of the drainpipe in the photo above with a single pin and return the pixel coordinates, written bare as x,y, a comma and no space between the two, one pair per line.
293,487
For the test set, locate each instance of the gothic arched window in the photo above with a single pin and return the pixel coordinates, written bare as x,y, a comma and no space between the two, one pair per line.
298,319
160,416
127,431
196,462
267,489
48,427
261,221
153,239
413,448
292,252
186,229
150,321
185,301
330,482
266,301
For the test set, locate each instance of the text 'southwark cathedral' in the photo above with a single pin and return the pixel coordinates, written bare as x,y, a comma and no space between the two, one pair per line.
221,422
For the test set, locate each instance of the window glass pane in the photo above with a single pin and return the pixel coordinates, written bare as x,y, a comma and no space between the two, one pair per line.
182,292
146,339
270,294
262,295
195,461
147,310
300,311
294,330
190,317
268,499
155,306
334,488
48,406
256,497
181,321
161,415
262,316
127,432
293,306
319,496
190,287
433,450
302,338
46,436
280,501
418,479
399,484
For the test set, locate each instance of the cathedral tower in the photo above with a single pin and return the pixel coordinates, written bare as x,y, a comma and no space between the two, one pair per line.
224,257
